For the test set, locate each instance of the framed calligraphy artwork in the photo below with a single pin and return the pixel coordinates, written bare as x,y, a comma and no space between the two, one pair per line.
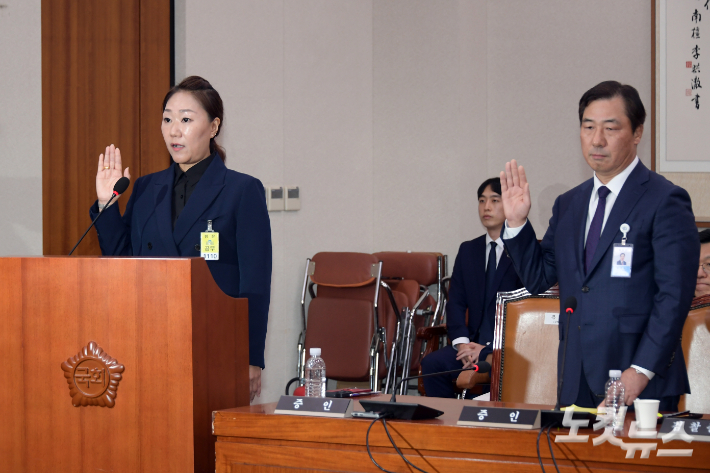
681,108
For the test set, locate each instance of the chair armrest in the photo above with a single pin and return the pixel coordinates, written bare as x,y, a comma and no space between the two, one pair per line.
700,301
469,379
429,333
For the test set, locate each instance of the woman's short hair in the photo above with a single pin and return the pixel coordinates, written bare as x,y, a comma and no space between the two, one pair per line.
210,100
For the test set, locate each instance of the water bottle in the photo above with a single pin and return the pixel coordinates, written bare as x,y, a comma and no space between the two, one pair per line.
315,375
615,398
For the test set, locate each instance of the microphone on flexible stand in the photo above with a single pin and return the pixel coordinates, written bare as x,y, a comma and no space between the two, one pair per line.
407,411
570,307
555,416
118,189
480,367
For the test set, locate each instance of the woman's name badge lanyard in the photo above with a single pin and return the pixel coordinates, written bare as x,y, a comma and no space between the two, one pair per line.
209,243
623,256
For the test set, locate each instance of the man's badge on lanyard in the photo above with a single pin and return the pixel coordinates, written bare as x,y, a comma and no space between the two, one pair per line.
209,243
623,256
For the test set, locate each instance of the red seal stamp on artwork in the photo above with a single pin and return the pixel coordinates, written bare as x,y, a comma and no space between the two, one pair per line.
93,377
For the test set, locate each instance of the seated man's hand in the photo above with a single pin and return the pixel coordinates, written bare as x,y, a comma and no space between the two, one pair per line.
468,353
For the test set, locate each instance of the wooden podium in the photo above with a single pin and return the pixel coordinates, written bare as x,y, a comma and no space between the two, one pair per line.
169,348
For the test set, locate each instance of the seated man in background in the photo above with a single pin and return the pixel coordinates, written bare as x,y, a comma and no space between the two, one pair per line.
702,285
481,270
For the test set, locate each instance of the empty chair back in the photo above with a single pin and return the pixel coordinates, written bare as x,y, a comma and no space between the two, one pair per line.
525,348
342,318
696,348
405,272
421,267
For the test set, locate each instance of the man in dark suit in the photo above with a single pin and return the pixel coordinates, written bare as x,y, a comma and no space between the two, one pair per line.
481,270
629,323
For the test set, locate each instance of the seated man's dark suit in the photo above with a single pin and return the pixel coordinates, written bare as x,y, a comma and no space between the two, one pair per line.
619,322
466,293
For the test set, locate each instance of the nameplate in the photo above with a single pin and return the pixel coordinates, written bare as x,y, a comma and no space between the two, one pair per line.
525,419
699,429
314,406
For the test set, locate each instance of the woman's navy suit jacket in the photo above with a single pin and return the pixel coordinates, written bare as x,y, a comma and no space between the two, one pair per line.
235,203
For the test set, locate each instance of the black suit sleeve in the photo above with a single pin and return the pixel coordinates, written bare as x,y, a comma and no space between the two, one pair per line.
533,261
676,253
254,253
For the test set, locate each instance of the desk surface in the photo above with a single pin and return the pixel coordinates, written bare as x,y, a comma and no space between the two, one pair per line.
254,439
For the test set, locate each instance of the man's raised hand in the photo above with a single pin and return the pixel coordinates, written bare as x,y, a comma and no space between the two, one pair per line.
516,194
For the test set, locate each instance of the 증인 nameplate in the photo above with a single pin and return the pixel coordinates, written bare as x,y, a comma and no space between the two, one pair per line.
500,417
314,406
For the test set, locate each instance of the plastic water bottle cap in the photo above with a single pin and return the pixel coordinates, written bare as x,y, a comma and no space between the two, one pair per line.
316,352
612,373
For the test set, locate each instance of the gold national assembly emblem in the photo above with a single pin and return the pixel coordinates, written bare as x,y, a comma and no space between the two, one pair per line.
93,377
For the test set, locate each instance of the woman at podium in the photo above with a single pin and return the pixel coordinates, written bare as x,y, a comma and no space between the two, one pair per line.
196,207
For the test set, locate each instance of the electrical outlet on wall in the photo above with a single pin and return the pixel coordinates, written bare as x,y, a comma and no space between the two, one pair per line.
275,199
293,198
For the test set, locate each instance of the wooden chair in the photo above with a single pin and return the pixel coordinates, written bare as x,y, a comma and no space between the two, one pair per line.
525,348
518,313
696,348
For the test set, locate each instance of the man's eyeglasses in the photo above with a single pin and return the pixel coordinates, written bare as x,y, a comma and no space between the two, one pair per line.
706,268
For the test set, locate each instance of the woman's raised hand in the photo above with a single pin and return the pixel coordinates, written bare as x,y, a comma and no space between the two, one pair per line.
109,173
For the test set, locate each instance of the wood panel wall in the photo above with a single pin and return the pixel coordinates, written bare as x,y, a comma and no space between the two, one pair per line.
105,70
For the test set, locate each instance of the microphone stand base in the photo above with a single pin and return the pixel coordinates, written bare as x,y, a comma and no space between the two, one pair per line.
400,410
555,417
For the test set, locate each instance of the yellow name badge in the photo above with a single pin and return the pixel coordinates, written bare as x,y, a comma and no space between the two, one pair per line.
209,243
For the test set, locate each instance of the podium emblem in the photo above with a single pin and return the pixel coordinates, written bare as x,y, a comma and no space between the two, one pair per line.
93,377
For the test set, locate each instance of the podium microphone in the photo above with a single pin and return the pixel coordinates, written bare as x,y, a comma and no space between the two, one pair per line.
570,307
407,411
118,189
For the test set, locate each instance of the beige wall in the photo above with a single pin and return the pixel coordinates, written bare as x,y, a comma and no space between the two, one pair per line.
20,128
389,114
541,60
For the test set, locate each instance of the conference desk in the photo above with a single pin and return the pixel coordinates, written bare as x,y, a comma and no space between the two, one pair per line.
254,439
